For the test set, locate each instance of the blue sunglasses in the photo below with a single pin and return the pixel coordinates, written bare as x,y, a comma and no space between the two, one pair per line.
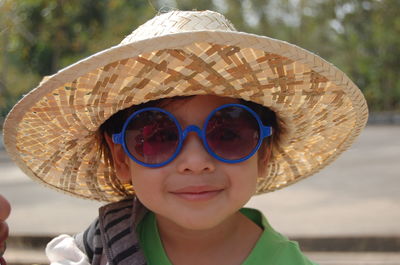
153,137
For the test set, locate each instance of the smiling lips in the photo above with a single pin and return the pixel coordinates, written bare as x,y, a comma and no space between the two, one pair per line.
197,193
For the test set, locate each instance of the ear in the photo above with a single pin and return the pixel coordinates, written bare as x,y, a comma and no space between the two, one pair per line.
264,160
120,159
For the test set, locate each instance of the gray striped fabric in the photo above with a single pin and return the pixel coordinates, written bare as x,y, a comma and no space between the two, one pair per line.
111,238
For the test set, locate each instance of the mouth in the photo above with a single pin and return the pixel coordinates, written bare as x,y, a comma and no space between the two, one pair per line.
197,193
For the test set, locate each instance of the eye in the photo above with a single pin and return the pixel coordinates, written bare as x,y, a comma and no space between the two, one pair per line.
223,134
163,135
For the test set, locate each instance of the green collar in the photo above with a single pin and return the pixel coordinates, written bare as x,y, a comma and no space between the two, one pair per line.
264,251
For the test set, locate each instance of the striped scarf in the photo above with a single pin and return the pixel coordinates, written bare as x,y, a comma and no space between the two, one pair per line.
111,239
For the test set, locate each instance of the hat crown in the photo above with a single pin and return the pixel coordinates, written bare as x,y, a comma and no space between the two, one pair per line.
179,21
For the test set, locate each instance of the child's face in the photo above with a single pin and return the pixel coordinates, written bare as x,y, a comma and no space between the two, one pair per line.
194,191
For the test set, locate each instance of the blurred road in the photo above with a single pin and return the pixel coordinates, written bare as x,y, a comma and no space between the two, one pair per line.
357,195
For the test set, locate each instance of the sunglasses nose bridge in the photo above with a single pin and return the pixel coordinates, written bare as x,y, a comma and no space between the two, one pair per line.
191,128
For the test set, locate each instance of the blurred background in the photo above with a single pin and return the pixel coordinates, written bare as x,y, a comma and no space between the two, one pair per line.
347,214
361,37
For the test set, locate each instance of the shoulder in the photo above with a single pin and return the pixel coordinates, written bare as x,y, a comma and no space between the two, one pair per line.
275,246
84,248
113,227
79,248
290,253
64,250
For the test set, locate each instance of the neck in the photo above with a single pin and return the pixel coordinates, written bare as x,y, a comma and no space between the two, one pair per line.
234,237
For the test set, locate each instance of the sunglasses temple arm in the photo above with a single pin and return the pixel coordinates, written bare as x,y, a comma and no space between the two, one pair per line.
117,138
266,131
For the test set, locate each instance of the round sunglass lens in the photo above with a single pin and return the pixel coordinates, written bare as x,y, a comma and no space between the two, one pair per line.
152,137
232,133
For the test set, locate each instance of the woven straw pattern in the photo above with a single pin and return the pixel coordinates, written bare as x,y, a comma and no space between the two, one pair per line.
54,139
176,22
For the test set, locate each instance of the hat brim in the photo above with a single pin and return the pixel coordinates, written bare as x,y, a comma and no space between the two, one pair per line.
51,132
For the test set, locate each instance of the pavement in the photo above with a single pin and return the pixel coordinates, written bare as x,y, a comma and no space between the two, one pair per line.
357,196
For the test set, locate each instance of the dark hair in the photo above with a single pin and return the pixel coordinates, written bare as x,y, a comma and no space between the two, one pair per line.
115,123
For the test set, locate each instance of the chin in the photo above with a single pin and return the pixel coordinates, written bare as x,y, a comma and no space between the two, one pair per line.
199,221
199,225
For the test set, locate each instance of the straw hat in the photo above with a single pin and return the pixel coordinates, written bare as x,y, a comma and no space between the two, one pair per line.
51,132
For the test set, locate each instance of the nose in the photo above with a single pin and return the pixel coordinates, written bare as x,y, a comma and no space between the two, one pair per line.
194,158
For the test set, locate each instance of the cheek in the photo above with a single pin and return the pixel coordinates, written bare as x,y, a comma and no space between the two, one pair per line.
244,177
145,190
147,183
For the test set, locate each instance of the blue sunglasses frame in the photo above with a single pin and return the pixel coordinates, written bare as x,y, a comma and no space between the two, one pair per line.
119,138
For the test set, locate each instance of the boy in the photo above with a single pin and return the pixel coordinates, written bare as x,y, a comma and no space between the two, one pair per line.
181,124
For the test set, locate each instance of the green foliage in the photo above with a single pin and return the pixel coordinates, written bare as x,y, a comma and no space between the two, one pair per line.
370,46
195,5
39,37
58,28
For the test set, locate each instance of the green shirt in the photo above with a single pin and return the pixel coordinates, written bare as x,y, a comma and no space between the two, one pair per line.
271,248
